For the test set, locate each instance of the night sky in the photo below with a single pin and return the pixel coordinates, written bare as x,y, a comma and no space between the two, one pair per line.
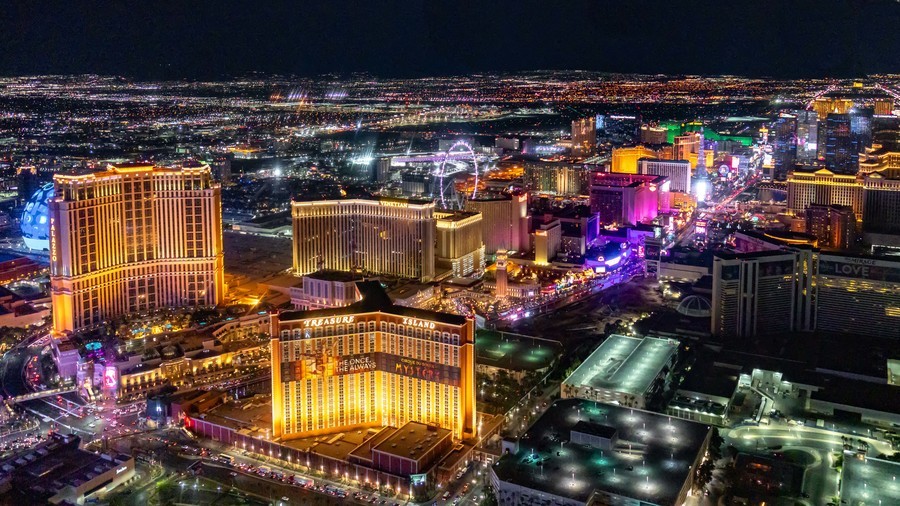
210,39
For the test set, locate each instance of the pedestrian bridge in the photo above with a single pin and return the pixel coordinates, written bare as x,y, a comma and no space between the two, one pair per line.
40,395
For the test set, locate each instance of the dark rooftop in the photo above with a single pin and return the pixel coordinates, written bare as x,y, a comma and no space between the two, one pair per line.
412,441
374,299
650,462
595,429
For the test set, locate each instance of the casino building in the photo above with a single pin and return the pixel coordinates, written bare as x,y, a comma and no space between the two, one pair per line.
794,287
371,364
135,237
382,236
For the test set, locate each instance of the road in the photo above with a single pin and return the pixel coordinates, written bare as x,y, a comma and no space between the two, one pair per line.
820,479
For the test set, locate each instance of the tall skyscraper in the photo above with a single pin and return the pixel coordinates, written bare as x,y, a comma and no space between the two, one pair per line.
459,242
807,135
504,221
686,145
678,172
371,364
584,136
134,238
753,293
785,146
833,225
651,134
881,191
625,159
838,144
628,199
860,133
846,136
27,182
823,187
559,178
386,236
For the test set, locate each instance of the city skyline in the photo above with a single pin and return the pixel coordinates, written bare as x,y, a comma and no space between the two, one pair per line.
835,38
282,253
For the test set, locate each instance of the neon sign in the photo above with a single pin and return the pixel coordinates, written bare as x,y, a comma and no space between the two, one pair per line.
318,322
414,322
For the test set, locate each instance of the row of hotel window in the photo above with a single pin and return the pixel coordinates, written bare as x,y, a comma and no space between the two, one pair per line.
396,345
413,402
393,328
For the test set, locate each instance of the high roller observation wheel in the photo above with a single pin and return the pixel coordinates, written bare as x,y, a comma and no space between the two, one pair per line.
471,152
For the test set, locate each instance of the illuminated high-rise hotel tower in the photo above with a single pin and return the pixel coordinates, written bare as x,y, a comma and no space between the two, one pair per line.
381,236
371,364
134,238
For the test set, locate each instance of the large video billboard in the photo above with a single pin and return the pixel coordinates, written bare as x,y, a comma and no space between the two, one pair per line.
860,268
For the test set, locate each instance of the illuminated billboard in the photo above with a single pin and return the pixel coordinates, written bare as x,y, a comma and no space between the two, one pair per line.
860,268
323,365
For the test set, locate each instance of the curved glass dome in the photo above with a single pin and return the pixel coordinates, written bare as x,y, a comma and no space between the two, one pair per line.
696,306
35,223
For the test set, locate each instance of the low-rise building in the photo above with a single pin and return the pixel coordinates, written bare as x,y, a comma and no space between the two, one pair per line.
582,452
623,370
58,472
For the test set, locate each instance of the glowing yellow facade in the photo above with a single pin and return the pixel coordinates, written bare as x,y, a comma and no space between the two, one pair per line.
824,187
371,364
625,160
134,238
389,236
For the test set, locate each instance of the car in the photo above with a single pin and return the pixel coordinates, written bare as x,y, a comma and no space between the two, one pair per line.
285,498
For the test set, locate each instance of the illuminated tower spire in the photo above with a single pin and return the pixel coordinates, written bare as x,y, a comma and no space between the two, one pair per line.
701,158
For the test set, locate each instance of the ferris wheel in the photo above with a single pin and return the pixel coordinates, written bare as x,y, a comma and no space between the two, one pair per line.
459,154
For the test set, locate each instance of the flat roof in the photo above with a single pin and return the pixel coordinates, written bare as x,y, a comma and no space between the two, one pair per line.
456,215
43,471
869,481
707,377
650,462
514,351
332,275
374,299
413,440
859,394
252,415
624,364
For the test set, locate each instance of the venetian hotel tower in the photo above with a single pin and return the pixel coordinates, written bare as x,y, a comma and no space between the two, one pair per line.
134,237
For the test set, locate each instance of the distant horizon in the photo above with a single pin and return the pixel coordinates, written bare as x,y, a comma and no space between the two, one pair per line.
205,39
351,74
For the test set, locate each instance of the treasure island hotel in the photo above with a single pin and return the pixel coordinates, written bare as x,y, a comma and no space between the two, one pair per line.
132,238
371,364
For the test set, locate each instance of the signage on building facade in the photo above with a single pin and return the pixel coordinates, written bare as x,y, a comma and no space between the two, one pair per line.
415,322
324,365
330,320
860,268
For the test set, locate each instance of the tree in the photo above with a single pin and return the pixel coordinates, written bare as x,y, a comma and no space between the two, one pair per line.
715,444
704,474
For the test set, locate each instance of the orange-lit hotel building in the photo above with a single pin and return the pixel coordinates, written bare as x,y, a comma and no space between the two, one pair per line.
132,238
371,364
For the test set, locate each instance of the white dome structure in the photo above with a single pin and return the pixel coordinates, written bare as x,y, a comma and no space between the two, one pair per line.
695,306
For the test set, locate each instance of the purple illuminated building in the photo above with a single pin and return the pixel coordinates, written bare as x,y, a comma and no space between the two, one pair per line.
628,199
